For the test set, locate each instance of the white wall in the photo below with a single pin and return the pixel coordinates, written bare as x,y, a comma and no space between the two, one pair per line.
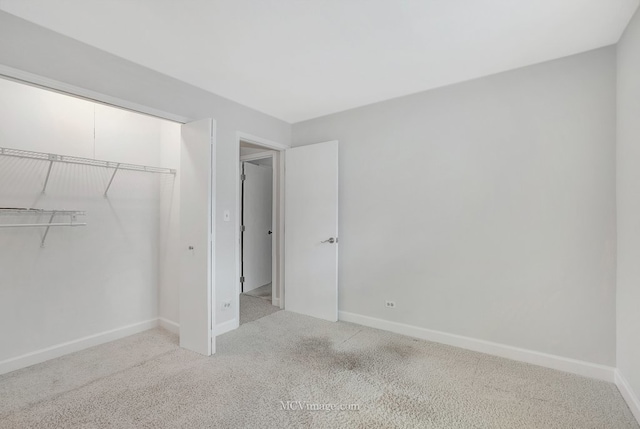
485,209
63,59
87,280
628,194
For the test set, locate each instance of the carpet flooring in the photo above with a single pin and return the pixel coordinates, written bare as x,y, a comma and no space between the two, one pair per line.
147,381
253,308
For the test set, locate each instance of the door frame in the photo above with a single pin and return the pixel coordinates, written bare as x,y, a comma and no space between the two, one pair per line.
276,151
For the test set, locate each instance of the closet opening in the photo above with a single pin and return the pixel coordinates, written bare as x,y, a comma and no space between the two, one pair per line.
89,222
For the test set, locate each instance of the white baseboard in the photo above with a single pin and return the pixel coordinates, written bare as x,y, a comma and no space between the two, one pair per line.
225,327
587,369
275,301
58,350
169,325
222,328
628,394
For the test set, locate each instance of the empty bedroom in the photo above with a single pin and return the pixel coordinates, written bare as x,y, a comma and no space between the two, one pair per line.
320,214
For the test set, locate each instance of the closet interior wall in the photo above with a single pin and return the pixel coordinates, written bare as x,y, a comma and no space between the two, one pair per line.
111,273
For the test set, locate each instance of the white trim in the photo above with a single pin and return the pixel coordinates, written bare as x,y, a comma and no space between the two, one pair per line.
62,349
275,301
587,369
169,325
238,236
275,257
628,394
223,328
211,272
258,155
245,137
76,91
281,198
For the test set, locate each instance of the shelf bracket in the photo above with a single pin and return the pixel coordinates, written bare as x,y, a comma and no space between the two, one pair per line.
46,181
111,180
46,231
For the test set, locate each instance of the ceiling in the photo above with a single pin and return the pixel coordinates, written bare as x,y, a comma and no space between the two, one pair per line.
300,59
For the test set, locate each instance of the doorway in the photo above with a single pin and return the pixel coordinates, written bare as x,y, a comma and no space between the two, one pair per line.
311,249
257,227
259,296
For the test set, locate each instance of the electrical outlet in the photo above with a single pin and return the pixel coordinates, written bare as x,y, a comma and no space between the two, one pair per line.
226,305
390,304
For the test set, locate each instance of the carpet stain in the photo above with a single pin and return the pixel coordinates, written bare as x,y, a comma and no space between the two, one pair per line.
321,351
402,350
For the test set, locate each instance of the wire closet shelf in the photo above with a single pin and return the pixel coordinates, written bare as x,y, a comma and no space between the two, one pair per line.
62,218
65,159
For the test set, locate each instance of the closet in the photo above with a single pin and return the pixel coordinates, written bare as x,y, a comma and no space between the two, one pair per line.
89,219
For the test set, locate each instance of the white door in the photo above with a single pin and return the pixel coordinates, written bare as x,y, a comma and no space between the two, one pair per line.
195,236
257,193
311,230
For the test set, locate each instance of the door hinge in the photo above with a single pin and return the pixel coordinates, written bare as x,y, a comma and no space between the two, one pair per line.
243,228
243,177
242,279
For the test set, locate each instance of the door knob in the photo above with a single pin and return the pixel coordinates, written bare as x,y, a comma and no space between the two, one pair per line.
329,240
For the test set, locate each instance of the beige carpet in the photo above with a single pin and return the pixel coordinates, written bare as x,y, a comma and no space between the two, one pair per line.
146,381
253,308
